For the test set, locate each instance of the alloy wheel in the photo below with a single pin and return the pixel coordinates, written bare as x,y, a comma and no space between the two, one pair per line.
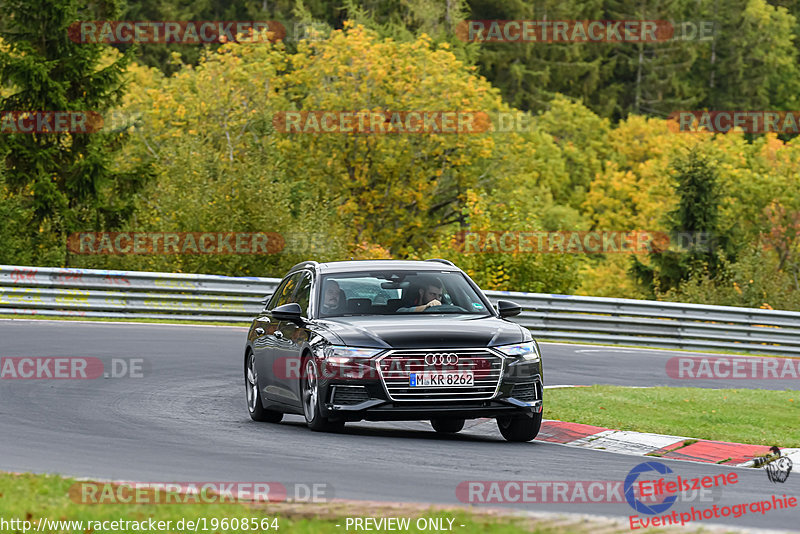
310,391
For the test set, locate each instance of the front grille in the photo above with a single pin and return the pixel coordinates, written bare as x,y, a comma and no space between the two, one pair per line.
396,366
527,392
349,395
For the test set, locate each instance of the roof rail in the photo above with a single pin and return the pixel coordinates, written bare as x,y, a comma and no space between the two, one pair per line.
440,260
308,263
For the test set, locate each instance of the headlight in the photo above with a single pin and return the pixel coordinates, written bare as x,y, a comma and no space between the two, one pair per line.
341,354
528,350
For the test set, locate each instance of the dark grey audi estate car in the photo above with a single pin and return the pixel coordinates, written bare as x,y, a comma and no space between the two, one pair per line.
388,340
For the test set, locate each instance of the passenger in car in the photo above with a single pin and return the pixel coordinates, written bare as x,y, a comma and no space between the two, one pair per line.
333,300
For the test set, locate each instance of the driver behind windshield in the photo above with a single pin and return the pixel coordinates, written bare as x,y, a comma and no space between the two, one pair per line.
430,294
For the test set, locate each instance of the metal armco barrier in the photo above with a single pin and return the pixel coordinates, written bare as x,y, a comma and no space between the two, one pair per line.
48,291
131,294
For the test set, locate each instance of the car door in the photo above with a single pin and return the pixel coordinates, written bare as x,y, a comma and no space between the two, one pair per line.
269,336
288,353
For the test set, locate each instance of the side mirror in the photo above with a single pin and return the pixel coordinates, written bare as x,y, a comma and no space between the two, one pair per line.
288,312
506,308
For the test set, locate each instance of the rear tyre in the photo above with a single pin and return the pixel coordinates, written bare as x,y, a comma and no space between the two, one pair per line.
447,426
312,400
520,428
254,405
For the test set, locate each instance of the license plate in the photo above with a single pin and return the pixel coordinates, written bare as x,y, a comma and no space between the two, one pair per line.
444,379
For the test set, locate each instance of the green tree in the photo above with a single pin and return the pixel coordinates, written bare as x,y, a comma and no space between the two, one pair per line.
67,179
749,63
530,74
655,73
222,165
697,243
752,60
583,138
401,190
217,165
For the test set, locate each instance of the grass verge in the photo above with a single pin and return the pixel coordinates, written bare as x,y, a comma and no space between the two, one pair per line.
46,498
756,416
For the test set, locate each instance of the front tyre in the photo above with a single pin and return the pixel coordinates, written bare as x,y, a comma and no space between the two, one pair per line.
312,401
520,428
254,405
447,426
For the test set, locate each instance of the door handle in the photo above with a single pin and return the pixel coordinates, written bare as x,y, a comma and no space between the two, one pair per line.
260,331
278,334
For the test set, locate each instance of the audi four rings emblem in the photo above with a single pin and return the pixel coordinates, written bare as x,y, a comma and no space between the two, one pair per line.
441,358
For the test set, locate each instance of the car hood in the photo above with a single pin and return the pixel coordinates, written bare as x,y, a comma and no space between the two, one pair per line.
424,331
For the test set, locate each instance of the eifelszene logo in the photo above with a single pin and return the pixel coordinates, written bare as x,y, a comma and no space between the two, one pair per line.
630,496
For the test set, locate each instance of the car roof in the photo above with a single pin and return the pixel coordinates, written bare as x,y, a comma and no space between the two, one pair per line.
366,265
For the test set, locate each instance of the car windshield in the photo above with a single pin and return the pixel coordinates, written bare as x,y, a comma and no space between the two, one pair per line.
398,293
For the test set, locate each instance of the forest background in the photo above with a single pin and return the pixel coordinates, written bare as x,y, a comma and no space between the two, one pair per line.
189,143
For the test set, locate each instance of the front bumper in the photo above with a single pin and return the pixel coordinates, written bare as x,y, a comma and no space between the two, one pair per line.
366,391
367,400
382,410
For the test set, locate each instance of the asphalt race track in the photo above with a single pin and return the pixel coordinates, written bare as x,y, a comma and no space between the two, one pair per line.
186,420
587,365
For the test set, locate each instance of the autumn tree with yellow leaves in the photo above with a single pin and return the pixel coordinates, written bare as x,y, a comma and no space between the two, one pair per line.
217,135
